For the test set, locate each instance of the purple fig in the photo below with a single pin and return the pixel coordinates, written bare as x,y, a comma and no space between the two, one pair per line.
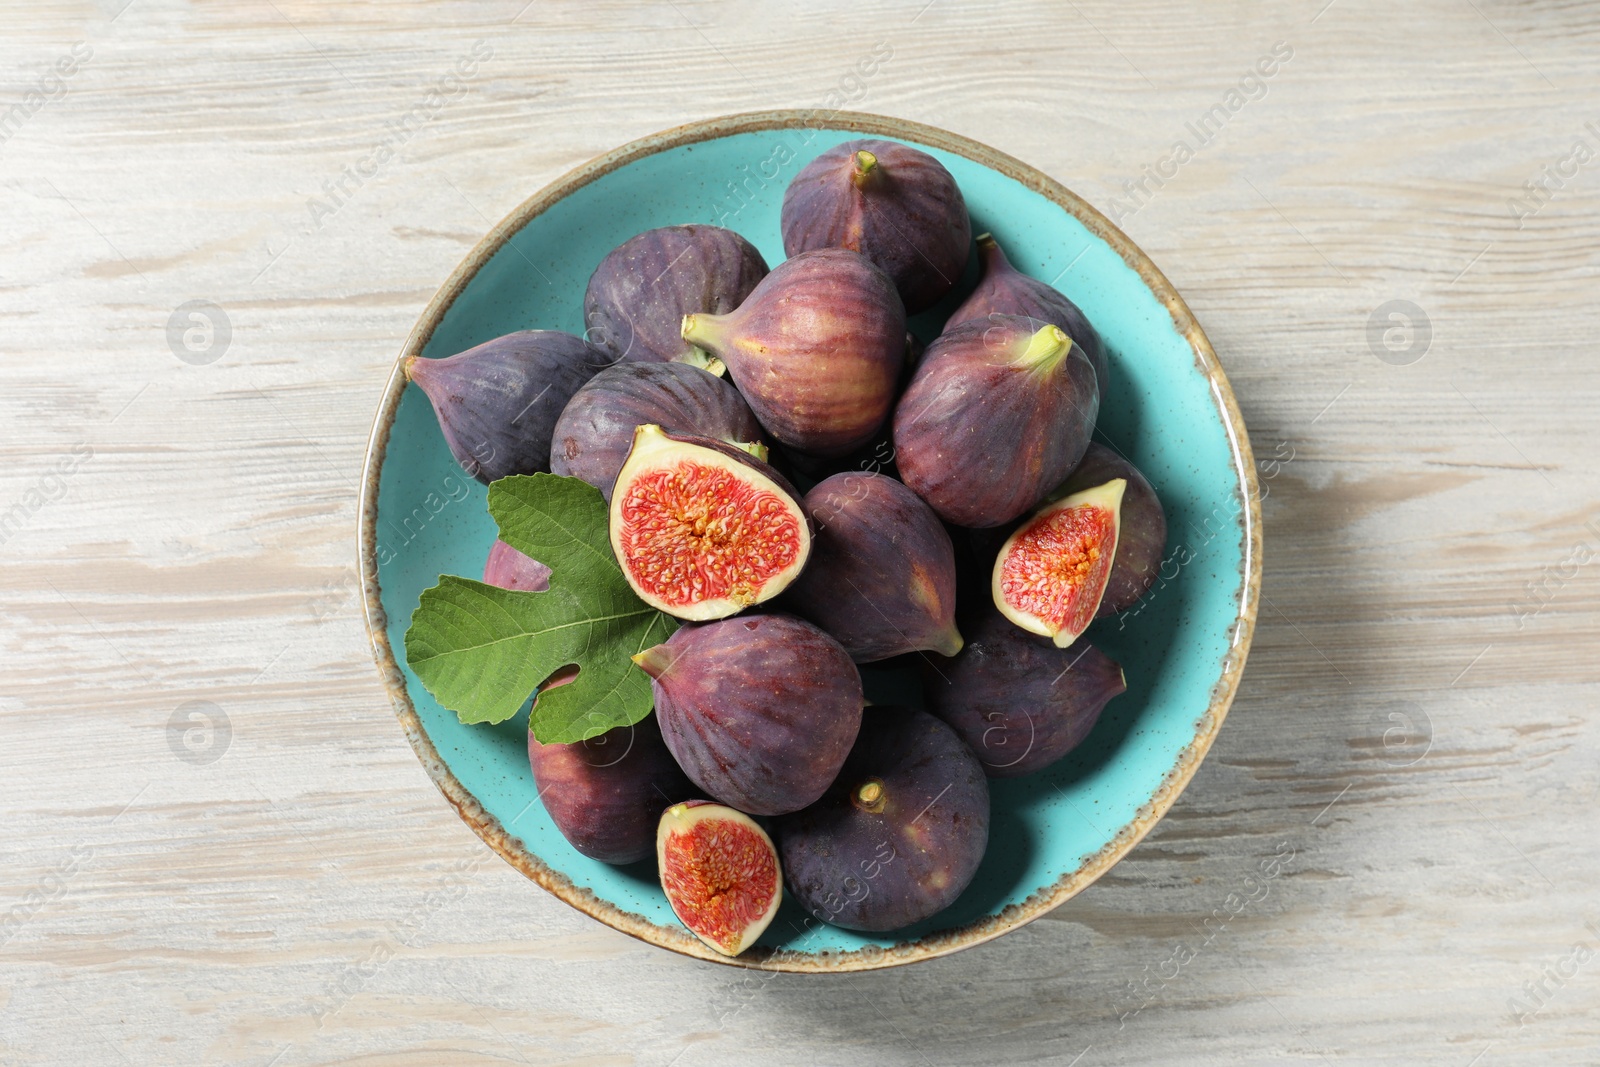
760,711
1005,290
1141,525
998,413
497,403
882,575
1019,702
898,835
639,294
894,204
595,432
703,529
606,794
816,349
509,569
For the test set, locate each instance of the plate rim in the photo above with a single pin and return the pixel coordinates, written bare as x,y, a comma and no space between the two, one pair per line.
511,849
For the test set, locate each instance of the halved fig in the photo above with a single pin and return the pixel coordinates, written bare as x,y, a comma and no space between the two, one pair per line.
882,576
1141,527
720,873
592,437
817,349
1051,573
1005,290
497,402
1019,702
894,204
605,794
998,412
900,833
703,529
759,711
639,294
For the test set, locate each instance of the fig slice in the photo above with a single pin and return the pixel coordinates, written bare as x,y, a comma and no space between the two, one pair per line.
720,873
1052,572
703,529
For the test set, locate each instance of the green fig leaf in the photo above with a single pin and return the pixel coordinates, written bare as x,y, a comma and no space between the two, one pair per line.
480,650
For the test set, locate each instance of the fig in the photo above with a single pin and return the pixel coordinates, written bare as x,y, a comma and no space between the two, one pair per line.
882,575
509,569
1051,573
720,873
998,413
605,794
1141,526
702,529
894,204
1005,290
593,435
898,835
759,711
639,294
497,402
1019,702
816,349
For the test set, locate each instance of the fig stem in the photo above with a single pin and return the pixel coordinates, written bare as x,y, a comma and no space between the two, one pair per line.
949,642
700,331
1046,349
870,796
405,368
865,165
654,661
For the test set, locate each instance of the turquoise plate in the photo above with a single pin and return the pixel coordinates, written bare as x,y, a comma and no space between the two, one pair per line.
1169,409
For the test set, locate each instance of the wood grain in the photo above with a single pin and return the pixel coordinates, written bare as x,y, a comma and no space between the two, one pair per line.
1414,740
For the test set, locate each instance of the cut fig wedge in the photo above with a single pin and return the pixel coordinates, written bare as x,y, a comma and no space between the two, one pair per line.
703,529
720,873
1052,572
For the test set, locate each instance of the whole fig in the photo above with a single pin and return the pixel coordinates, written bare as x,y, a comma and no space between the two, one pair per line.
593,435
639,294
606,794
898,835
882,575
1141,525
703,529
1005,290
498,402
510,569
760,711
999,411
1019,702
894,204
816,349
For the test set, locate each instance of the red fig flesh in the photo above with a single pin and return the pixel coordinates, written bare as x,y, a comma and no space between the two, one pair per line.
605,794
1051,573
1141,526
816,349
998,413
759,711
882,575
895,205
701,529
1004,290
720,873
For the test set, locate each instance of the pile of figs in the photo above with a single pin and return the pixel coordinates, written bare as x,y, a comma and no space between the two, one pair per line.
812,489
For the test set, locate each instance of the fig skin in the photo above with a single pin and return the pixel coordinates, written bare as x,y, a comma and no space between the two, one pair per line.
606,794
882,574
498,402
894,204
816,350
998,413
1004,290
638,295
594,433
1142,532
760,710
898,835
1019,702
507,568
696,536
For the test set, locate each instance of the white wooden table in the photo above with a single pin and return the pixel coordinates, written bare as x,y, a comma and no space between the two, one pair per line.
1415,733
